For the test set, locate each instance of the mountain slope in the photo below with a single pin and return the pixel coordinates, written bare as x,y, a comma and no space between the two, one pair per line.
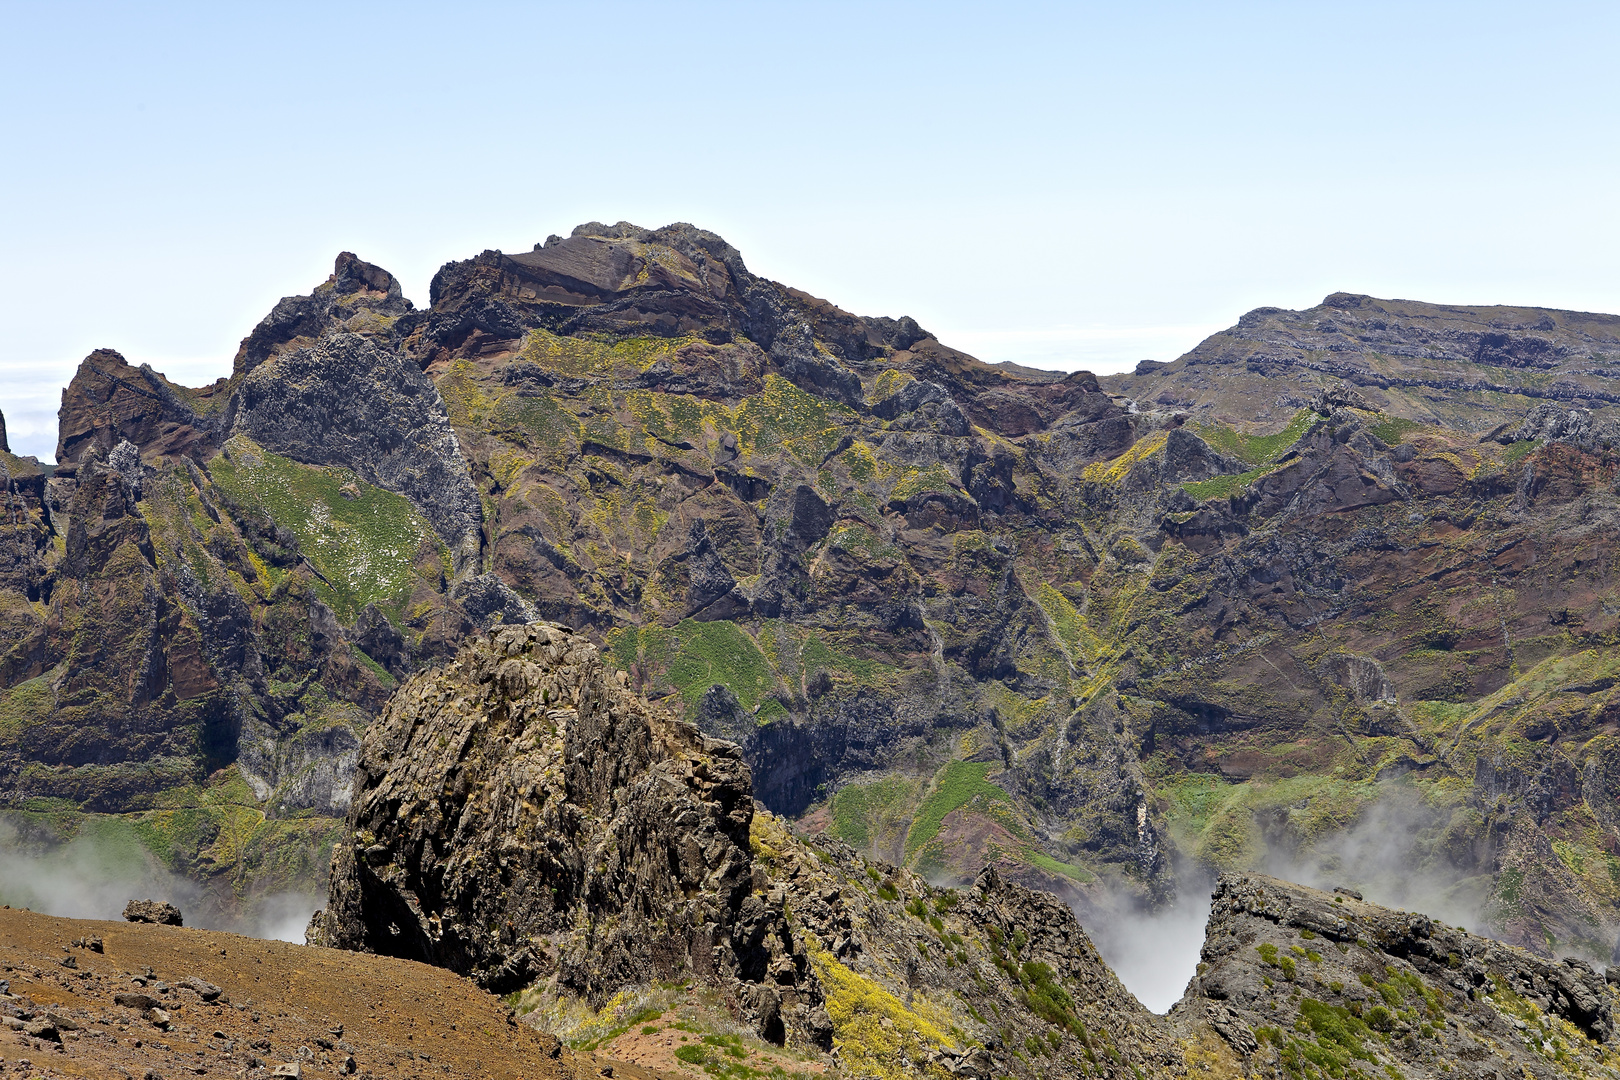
953,615
526,819
1469,368
239,1006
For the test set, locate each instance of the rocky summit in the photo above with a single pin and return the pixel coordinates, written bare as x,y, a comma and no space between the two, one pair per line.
1332,596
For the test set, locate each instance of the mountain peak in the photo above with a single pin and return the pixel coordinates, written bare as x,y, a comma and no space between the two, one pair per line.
351,274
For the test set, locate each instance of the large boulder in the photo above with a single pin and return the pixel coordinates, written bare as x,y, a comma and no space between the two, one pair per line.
153,911
522,816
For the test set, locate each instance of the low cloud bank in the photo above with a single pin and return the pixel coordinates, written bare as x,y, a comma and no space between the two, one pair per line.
1394,854
91,879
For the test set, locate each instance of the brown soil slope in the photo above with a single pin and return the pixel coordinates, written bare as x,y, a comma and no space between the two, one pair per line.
333,1012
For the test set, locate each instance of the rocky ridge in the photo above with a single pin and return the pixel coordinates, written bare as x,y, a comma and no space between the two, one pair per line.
525,819
954,614
1294,977
1465,367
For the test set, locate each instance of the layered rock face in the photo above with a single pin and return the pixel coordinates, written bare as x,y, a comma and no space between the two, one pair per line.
1293,977
521,815
1466,367
954,614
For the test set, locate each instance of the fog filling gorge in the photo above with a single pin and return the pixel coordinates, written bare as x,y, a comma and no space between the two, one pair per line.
1154,953
1383,855
88,878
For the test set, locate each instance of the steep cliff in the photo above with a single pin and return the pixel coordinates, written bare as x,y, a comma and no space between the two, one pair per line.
954,614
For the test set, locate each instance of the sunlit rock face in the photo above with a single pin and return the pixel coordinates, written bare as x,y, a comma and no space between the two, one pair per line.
523,816
1330,595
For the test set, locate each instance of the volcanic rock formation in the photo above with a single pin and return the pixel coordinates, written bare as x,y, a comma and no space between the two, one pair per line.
1335,574
1292,976
524,818
520,815
1465,367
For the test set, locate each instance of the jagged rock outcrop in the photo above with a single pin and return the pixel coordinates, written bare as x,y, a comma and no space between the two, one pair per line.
1293,975
109,402
358,298
1561,423
353,402
522,815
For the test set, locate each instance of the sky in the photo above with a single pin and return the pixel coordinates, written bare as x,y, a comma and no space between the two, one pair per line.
1067,186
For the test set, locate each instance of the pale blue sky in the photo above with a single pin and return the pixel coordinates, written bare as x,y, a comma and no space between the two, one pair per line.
1065,185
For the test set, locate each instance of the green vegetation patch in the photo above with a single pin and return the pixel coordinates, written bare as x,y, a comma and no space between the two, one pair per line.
1046,998
1518,451
546,423
820,654
1224,487
1436,716
935,477
1256,449
595,353
1195,798
1112,472
1216,820
694,656
668,417
781,416
859,809
874,1031
724,1058
1394,429
956,785
1332,1039
1067,623
858,540
861,463
364,548
26,703
1057,866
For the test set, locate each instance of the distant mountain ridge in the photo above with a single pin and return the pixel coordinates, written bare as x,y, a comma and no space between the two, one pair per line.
1109,636
1467,367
